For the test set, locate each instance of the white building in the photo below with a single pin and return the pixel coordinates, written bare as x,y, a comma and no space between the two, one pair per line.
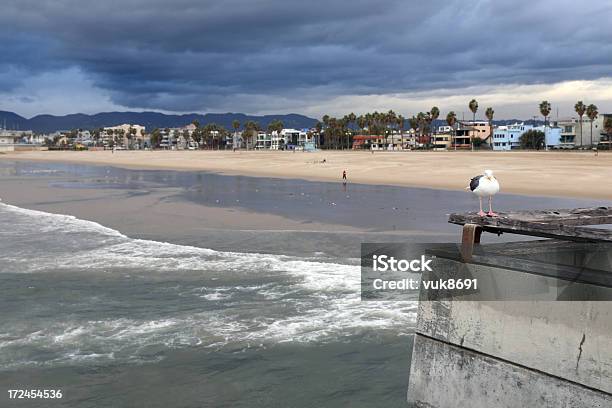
589,134
264,141
140,130
445,129
121,133
509,137
8,140
291,139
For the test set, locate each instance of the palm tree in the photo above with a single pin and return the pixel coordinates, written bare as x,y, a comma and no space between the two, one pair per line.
131,135
235,126
451,119
319,129
434,114
489,114
591,112
369,121
325,119
250,129
473,105
389,118
362,123
580,109
414,125
110,132
155,138
121,134
545,109
400,127
421,120
351,120
343,132
275,126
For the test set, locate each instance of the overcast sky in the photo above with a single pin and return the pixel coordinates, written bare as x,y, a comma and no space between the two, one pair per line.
311,57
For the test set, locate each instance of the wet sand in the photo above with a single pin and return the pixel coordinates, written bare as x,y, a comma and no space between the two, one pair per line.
563,174
268,215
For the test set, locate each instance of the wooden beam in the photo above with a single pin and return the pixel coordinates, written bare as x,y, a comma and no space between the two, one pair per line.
471,236
560,224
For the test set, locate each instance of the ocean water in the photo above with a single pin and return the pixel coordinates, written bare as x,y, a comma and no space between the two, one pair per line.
76,295
232,318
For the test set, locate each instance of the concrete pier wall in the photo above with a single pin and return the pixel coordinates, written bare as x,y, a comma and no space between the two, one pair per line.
570,340
513,353
448,376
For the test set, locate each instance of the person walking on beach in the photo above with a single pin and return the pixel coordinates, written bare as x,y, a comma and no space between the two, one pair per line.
344,176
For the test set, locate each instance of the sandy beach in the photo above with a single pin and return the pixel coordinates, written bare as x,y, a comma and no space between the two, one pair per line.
568,174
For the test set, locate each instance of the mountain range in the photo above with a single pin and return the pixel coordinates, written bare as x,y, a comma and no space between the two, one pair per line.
151,120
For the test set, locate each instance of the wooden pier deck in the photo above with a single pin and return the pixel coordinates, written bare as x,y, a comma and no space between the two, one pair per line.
568,225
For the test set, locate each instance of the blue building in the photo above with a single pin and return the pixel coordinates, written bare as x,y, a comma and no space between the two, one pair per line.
509,137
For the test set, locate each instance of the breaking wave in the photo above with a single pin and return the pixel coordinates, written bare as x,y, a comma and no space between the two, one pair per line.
118,298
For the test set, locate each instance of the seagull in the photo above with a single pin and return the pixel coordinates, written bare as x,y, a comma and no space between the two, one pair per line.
485,186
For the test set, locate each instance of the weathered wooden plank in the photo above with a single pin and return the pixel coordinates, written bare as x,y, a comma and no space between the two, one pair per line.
577,216
560,224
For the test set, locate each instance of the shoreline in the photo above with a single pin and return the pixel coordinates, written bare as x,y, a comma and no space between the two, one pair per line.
549,174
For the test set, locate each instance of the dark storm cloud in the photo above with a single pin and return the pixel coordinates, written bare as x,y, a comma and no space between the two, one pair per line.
195,55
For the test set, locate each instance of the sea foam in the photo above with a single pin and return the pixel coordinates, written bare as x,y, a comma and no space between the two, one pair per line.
218,299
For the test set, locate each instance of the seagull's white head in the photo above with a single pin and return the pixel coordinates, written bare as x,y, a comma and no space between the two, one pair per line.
488,174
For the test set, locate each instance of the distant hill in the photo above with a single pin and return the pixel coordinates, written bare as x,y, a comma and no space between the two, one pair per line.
151,120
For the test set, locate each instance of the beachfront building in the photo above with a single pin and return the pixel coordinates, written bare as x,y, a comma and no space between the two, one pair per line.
406,140
479,129
292,139
368,142
11,140
553,136
442,140
604,138
573,137
83,138
125,135
236,140
166,141
509,137
180,138
264,141
8,140
126,128
570,133
462,138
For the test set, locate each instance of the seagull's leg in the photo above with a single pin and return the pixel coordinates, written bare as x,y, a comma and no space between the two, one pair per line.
491,213
481,213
